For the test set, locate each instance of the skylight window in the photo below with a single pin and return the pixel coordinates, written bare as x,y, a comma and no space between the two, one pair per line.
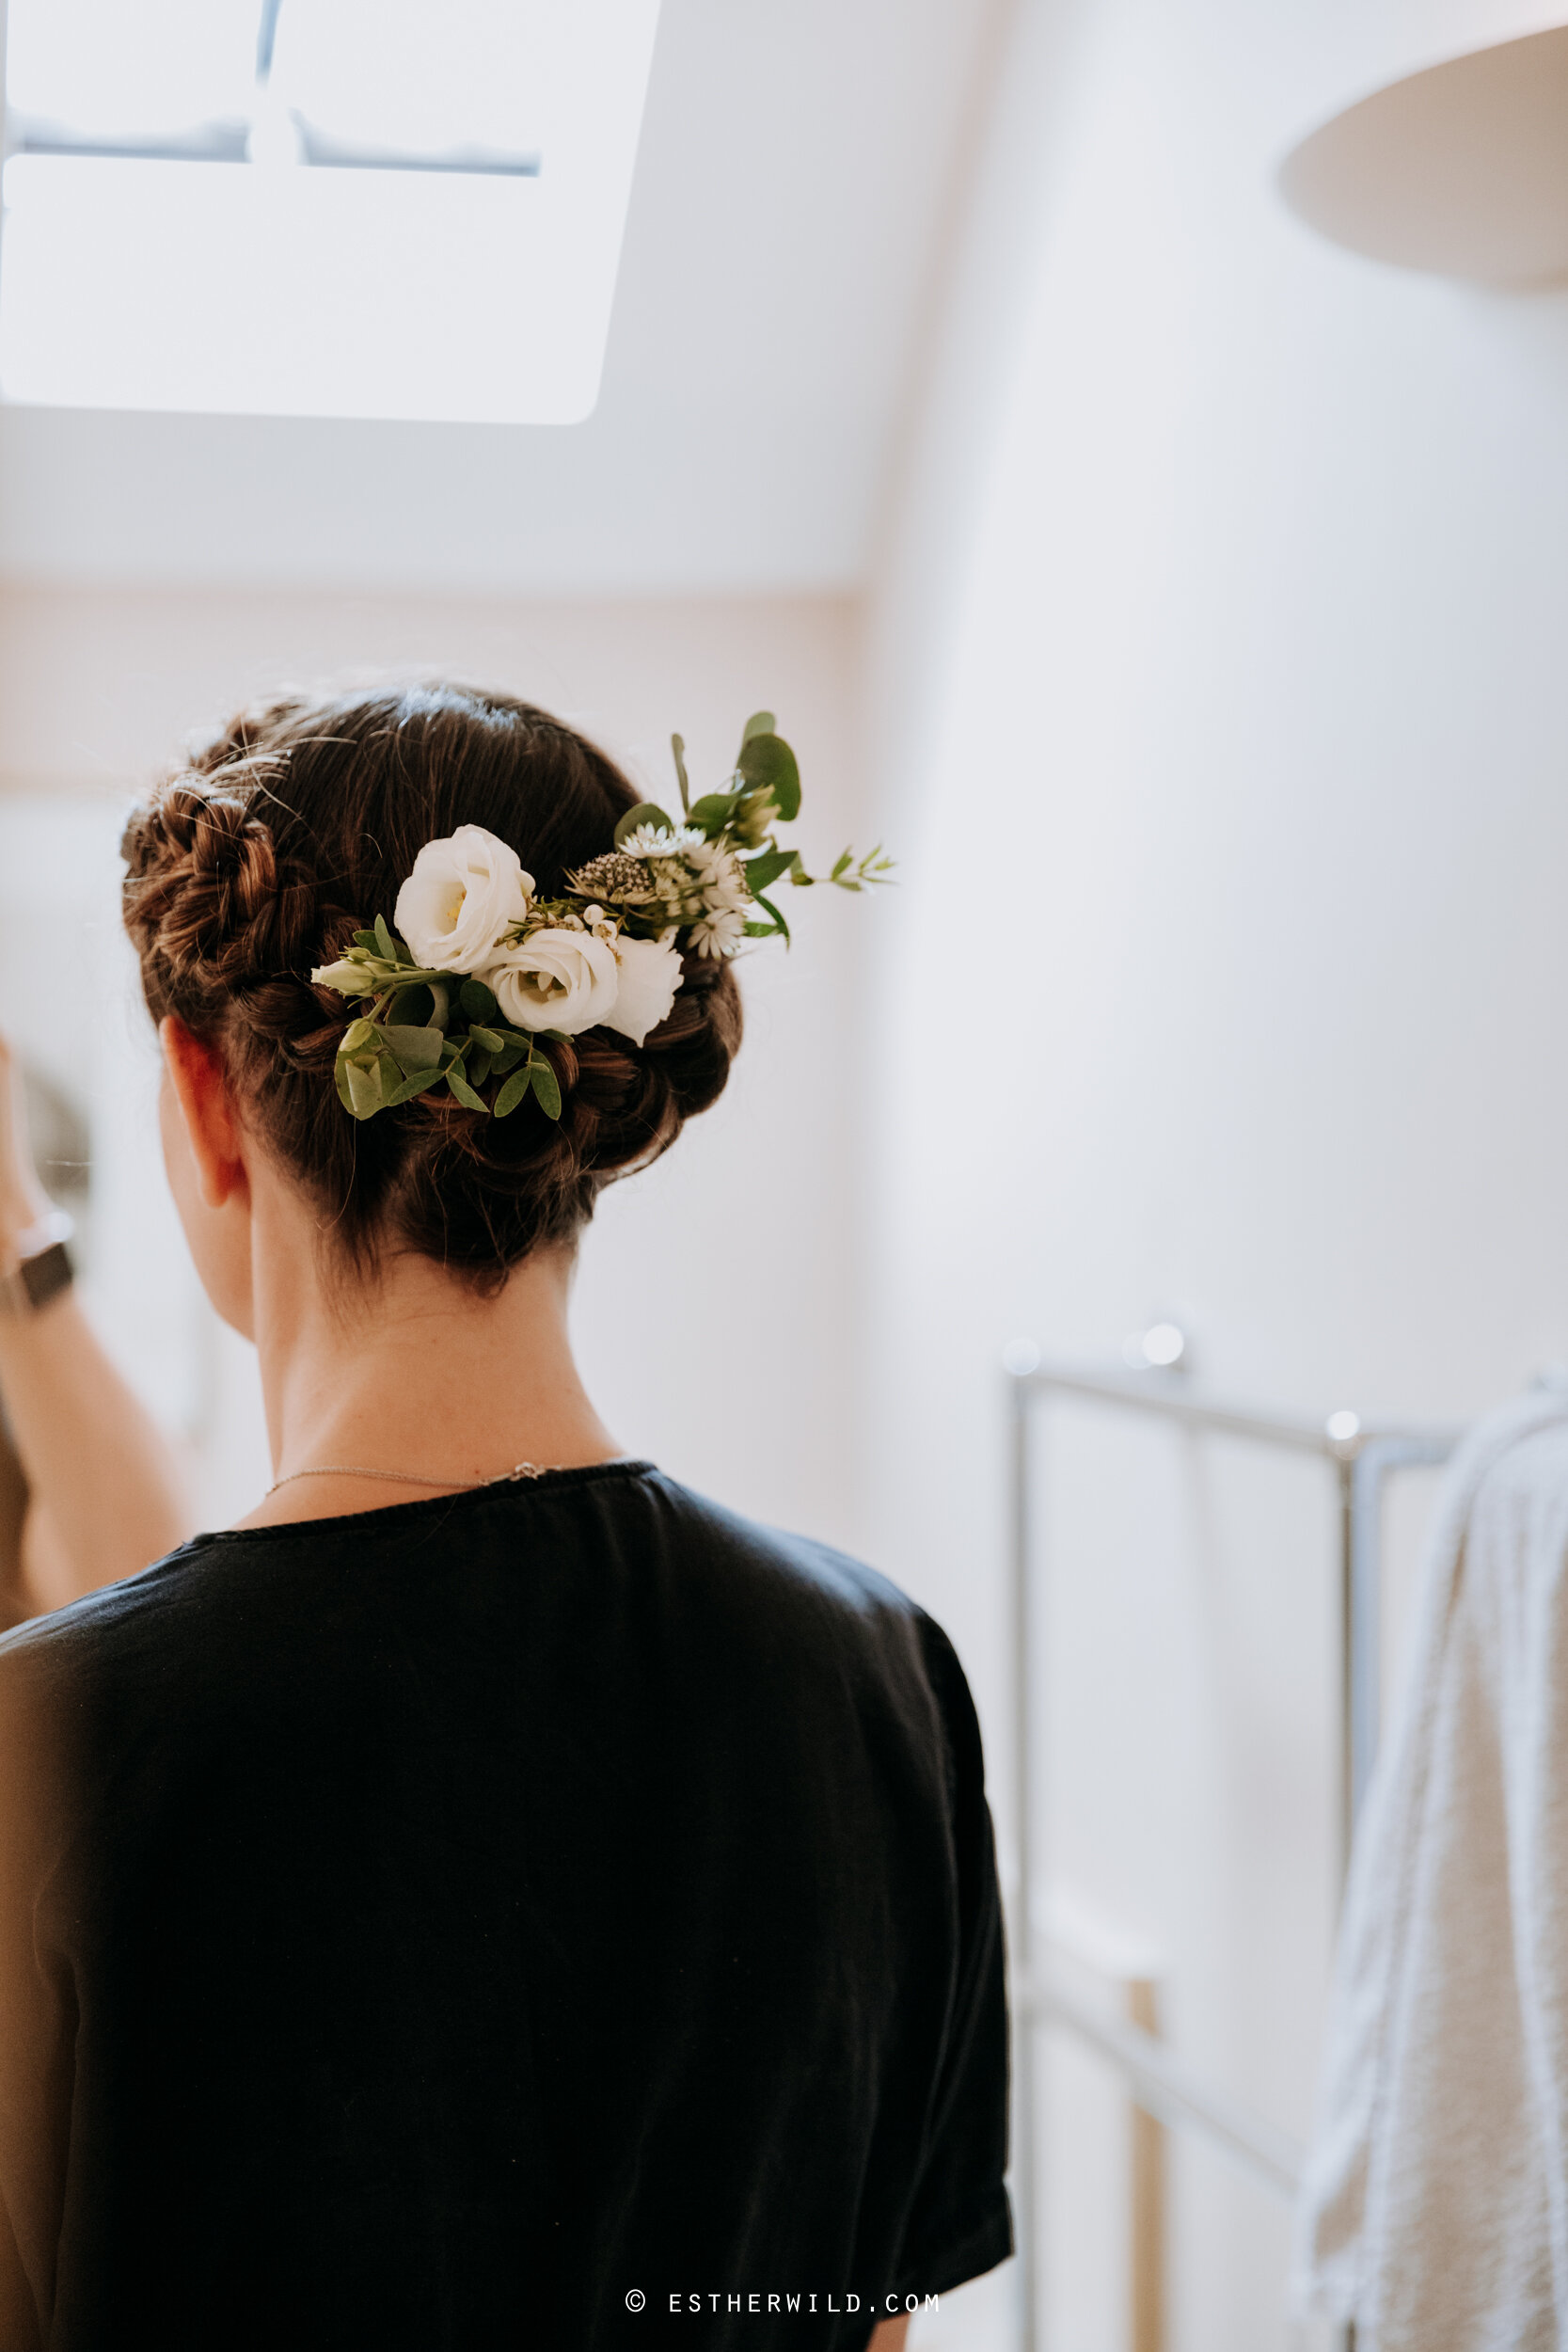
348,208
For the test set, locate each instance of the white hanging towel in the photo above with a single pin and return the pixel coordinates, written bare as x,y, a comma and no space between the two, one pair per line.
1435,2208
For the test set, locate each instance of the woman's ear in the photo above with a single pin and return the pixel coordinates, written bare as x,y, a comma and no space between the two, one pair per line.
204,1151
201,1088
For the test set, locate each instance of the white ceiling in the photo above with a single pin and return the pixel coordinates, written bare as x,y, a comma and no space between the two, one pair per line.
798,165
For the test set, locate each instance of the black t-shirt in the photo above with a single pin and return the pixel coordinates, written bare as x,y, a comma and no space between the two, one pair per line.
444,1926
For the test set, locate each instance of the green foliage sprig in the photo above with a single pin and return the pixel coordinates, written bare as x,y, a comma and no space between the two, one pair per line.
762,790
424,1029
696,888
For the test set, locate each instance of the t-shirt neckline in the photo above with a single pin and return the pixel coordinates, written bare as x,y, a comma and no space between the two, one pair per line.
542,1482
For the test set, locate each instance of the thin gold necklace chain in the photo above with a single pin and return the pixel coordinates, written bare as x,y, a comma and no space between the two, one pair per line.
408,1478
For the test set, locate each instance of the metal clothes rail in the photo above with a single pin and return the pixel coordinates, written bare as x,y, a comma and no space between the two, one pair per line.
1362,1459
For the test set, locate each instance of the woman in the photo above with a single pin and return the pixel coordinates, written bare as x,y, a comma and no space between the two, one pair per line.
490,1895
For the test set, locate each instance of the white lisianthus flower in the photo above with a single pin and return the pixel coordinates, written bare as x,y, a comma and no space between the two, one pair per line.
555,979
650,975
349,979
462,894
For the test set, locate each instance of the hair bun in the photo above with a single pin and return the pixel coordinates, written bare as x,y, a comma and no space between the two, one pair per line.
256,865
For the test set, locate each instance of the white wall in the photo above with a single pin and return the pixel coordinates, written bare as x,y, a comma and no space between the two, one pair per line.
743,1380
1223,735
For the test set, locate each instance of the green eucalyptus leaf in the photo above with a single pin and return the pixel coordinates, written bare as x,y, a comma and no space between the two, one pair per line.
463,1091
369,940
678,744
713,812
511,1093
645,813
339,1073
760,871
358,1033
513,1049
364,1089
547,1087
414,1007
767,759
478,1067
417,1082
414,1049
491,1040
768,908
384,940
760,723
477,1001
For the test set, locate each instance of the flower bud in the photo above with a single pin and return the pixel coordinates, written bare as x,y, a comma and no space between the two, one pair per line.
756,818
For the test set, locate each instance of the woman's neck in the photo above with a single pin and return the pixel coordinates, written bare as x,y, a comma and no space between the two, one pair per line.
411,1370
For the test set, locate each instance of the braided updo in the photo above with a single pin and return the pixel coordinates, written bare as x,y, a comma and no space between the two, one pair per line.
292,830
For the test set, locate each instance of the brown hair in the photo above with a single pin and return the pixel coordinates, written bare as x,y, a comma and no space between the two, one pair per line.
295,828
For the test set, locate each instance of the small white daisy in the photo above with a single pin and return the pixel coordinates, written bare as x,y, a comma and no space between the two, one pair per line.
719,933
709,861
649,841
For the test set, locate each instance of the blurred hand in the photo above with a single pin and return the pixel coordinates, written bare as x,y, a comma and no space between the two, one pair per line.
23,1198
104,1492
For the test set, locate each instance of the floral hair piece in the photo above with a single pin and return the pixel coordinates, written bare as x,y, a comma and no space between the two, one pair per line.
475,970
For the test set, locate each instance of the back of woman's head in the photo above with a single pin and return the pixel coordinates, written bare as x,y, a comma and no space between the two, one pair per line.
257,863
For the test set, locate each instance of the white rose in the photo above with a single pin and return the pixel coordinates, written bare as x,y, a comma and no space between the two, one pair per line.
555,979
650,975
461,896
